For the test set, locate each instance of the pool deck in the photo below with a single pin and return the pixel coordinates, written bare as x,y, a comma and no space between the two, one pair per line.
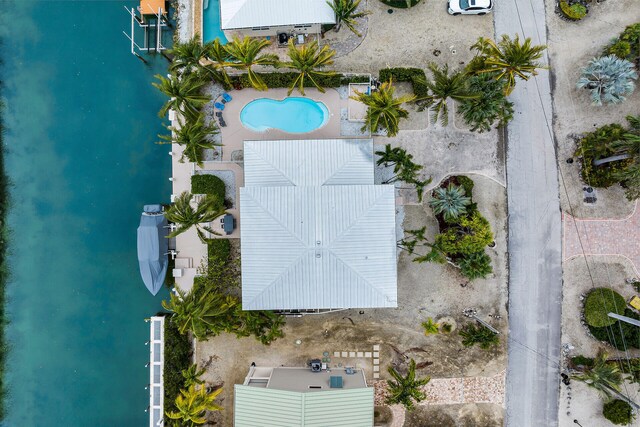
234,134
191,251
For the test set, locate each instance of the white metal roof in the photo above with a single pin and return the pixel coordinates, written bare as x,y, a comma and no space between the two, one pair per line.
308,162
271,13
318,247
278,408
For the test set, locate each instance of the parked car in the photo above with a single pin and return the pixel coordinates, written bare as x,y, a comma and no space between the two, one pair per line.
469,7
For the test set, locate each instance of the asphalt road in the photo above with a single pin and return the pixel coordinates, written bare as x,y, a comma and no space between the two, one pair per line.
535,276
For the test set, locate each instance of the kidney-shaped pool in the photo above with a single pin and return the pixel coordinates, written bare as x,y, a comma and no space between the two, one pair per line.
292,115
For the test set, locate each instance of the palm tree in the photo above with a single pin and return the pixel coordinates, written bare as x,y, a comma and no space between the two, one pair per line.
217,53
384,111
202,313
508,59
451,202
245,55
182,213
605,377
475,266
346,14
306,59
193,136
192,404
187,56
609,79
485,337
430,327
492,106
192,375
445,86
185,94
405,390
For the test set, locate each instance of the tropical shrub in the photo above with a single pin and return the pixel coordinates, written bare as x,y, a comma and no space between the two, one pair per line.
478,334
447,86
601,301
384,110
307,60
475,266
192,375
621,49
621,335
177,357
470,235
404,169
618,412
405,390
446,328
430,327
401,4
219,249
603,376
597,145
631,35
415,76
575,11
346,13
609,80
208,184
507,59
450,202
492,107
192,404
466,183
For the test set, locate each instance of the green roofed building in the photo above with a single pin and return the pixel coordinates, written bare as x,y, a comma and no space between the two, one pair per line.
286,397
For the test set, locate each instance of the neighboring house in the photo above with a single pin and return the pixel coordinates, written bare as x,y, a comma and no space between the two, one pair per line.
316,233
269,17
286,397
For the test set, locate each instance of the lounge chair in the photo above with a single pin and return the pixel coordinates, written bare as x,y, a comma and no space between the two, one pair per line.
218,114
219,106
226,97
222,122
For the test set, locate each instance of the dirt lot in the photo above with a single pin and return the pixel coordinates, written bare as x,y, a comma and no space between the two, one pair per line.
571,46
424,290
479,415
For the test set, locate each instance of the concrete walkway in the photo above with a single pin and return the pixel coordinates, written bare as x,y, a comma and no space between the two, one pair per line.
535,275
603,237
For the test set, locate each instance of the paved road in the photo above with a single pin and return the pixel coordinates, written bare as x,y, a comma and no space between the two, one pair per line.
534,236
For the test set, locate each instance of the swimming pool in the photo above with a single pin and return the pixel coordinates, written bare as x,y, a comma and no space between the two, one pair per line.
211,21
292,115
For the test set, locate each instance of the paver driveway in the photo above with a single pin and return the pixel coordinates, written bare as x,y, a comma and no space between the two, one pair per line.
603,237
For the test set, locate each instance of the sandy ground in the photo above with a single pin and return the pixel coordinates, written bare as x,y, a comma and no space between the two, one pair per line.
424,290
478,415
571,46
408,37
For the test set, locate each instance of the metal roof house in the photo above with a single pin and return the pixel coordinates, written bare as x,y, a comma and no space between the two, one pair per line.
317,233
285,397
270,17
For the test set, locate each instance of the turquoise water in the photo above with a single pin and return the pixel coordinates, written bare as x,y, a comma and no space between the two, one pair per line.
211,21
292,115
82,119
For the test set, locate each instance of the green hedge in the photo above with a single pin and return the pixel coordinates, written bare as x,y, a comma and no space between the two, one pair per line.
618,412
286,79
620,335
208,184
177,357
219,249
401,4
599,303
415,76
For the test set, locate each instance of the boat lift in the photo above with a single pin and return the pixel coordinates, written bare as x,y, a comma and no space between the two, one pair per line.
151,16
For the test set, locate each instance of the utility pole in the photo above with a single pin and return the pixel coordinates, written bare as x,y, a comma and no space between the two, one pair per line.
625,319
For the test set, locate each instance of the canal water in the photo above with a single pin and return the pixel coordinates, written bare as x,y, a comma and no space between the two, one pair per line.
82,121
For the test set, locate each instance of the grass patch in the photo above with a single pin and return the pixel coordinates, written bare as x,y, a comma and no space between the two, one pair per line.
219,249
599,303
208,184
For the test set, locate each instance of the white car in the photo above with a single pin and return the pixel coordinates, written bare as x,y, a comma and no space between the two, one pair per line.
469,7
